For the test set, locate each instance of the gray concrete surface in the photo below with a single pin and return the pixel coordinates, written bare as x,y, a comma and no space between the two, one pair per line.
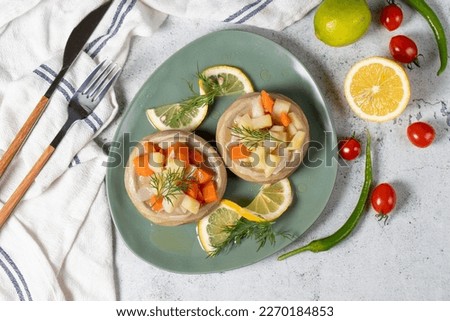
407,259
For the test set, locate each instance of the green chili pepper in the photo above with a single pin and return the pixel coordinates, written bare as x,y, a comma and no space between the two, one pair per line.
424,9
327,243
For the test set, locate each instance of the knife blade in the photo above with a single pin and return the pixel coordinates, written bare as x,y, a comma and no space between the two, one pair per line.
75,43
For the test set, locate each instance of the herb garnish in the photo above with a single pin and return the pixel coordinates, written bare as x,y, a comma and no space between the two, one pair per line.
251,138
262,232
171,183
189,106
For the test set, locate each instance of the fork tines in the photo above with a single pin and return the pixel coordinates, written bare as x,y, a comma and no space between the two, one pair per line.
97,83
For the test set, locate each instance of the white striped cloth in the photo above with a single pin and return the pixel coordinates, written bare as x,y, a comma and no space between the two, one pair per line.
58,243
269,14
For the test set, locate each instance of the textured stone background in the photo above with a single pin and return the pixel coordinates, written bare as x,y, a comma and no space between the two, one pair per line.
407,259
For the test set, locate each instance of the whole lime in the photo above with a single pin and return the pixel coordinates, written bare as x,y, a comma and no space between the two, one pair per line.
341,22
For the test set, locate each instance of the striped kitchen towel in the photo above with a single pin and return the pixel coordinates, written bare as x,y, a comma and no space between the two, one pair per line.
269,14
58,243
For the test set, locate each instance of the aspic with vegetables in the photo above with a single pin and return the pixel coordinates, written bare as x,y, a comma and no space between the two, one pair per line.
263,137
175,177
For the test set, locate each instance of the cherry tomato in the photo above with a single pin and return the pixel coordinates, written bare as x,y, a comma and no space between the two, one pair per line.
349,148
391,17
421,134
383,199
403,49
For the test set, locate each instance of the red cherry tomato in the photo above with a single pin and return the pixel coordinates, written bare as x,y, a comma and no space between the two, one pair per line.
349,149
403,49
391,17
383,199
421,134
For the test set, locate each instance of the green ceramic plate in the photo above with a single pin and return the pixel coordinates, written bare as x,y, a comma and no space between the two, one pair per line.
270,67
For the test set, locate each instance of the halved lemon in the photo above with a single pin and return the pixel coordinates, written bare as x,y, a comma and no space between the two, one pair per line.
272,200
226,80
377,89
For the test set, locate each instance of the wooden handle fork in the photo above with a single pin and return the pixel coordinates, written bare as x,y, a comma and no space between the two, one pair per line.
22,135
15,198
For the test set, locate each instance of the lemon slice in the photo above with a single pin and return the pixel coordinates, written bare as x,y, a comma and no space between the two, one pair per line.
377,89
227,80
272,200
210,229
170,117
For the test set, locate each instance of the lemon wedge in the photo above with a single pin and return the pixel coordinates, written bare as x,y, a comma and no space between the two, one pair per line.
230,81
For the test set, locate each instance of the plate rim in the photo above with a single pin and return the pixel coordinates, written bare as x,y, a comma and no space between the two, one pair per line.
128,111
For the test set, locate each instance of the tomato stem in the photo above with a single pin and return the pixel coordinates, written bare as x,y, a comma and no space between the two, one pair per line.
382,217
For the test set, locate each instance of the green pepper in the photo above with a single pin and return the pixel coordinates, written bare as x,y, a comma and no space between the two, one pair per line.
424,9
327,243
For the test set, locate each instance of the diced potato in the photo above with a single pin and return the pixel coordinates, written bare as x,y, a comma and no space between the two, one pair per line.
297,141
175,201
144,180
292,130
296,121
272,162
259,156
277,128
280,106
270,145
156,162
279,135
190,204
244,121
262,122
257,108
145,193
175,164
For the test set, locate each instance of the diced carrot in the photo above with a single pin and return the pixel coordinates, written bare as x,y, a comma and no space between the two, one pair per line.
239,152
203,175
200,197
141,165
192,190
209,192
149,147
196,157
156,203
180,151
267,102
285,120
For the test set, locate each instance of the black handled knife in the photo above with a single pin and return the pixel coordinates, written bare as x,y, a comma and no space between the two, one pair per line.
75,43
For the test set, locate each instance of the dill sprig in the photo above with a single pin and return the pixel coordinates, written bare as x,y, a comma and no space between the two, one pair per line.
188,107
261,232
213,85
251,138
171,183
